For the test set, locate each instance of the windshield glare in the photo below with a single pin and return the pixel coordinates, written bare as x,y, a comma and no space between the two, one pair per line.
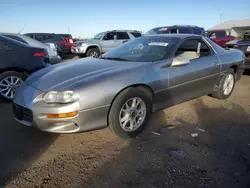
99,36
143,49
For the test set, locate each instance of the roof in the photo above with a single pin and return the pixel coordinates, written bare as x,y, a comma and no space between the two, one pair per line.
14,34
192,26
231,24
180,36
123,30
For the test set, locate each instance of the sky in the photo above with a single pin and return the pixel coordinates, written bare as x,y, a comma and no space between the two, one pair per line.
85,18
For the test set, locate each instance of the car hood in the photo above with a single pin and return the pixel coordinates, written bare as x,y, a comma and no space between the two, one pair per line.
86,41
232,42
59,76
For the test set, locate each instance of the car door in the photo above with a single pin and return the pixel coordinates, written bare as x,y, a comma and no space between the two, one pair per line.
108,42
197,78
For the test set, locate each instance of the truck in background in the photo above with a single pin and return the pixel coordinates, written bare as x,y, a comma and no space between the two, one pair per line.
221,36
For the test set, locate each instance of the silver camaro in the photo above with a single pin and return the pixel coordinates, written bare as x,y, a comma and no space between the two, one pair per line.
124,86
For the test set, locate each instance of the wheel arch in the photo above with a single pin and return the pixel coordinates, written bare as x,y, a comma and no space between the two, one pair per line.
235,68
17,69
141,86
93,46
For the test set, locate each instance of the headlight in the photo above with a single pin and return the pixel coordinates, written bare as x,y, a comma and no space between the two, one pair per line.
83,44
60,97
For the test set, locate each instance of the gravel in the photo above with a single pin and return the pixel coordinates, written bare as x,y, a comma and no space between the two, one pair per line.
218,157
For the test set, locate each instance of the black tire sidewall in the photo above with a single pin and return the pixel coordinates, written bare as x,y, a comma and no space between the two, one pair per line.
11,73
117,105
89,51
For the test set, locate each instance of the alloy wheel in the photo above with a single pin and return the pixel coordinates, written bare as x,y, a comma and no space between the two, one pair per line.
132,114
8,86
228,84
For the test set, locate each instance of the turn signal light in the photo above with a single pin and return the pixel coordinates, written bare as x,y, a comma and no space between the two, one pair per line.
63,115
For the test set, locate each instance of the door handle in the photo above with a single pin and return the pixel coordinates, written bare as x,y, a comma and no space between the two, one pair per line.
215,63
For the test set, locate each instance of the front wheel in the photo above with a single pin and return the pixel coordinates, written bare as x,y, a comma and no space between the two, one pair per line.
226,87
9,82
93,52
129,112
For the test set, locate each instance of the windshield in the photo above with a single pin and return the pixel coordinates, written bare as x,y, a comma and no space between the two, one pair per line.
99,36
143,49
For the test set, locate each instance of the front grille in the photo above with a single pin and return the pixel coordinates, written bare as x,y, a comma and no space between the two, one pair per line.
22,113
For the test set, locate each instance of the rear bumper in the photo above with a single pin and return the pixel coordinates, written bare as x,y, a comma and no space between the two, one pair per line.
55,59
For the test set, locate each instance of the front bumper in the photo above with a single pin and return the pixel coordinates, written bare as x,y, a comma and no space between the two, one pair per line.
78,49
29,110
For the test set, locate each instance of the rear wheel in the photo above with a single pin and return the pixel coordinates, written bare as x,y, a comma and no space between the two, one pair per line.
9,82
129,112
226,87
93,52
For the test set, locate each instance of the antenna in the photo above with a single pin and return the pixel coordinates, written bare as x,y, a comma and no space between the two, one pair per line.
22,29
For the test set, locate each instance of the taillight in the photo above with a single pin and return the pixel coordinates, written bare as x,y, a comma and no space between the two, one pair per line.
244,57
40,54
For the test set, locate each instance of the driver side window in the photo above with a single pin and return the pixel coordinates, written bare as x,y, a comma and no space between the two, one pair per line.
193,49
109,36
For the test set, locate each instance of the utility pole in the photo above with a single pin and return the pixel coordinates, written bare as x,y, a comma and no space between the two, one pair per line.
221,17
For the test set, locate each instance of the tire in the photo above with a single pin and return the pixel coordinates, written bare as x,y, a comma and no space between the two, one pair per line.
93,52
12,77
221,93
115,114
81,56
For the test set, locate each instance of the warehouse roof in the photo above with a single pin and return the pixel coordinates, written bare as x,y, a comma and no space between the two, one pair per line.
231,24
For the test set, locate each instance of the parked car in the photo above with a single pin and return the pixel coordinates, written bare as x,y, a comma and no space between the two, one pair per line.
17,61
244,45
103,42
69,40
220,37
181,29
60,42
122,87
52,56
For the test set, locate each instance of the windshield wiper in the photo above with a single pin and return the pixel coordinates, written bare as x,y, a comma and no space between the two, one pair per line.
114,58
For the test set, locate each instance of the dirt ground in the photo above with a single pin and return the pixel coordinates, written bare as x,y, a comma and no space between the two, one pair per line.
165,155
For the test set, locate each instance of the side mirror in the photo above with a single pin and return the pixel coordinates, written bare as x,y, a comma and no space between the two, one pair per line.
179,61
115,37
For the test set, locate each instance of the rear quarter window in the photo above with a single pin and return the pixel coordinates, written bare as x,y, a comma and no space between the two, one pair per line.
185,30
198,31
40,37
215,46
11,43
136,35
16,38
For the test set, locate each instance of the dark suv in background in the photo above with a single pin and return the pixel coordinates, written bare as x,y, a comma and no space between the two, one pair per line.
186,29
61,40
